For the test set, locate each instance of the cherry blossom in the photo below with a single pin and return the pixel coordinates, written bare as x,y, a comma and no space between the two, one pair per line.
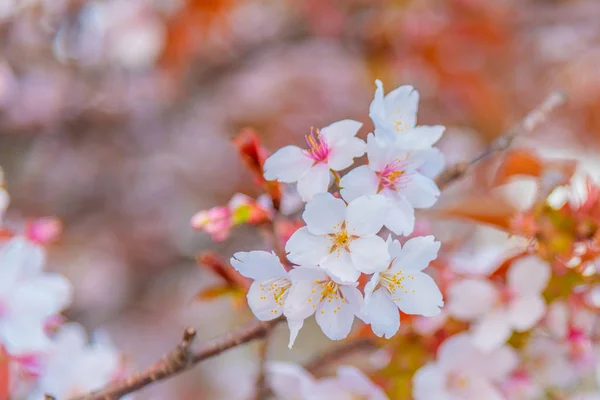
292,382
289,381
403,177
395,118
331,148
341,239
350,383
28,296
73,367
498,311
462,371
334,303
403,286
271,285
548,362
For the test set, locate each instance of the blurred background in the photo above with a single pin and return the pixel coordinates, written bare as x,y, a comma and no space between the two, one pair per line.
116,116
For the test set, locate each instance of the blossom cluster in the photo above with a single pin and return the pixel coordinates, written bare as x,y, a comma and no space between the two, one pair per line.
341,242
39,353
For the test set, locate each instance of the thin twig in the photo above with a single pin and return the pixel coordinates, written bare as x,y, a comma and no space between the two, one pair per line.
183,358
338,353
531,121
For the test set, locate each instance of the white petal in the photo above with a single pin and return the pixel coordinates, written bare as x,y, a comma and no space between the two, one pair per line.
477,387
420,191
432,161
266,299
492,331
288,380
358,182
41,297
401,107
400,218
341,266
377,108
315,180
304,294
421,137
528,275
429,383
340,131
365,215
287,164
294,326
380,153
24,335
342,156
359,384
557,319
471,298
382,314
307,249
499,364
420,295
335,318
369,254
458,352
324,214
355,300
416,254
525,312
258,265
19,258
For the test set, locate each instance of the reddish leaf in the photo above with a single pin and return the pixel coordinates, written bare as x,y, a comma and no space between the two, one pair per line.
254,155
216,291
518,162
214,263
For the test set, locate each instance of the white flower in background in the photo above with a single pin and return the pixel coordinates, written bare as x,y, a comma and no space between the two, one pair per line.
292,382
289,381
341,239
331,148
73,367
349,384
403,177
497,312
271,285
548,362
334,303
403,286
463,372
28,296
395,118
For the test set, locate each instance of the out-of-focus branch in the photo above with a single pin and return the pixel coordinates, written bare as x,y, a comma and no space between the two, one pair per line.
338,353
532,120
261,388
182,358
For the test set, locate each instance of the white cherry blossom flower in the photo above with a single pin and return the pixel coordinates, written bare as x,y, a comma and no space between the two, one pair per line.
73,367
463,372
497,312
289,381
341,239
331,148
395,118
403,177
271,285
349,384
549,363
28,296
403,286
334,303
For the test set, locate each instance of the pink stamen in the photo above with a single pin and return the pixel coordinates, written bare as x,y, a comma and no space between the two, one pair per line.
394,175
318,149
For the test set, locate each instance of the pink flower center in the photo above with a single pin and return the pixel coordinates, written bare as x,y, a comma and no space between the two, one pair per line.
318,149
394,175
505,296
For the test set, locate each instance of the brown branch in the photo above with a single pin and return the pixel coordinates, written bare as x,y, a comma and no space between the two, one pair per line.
338,353
183,358
531,121
261,388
